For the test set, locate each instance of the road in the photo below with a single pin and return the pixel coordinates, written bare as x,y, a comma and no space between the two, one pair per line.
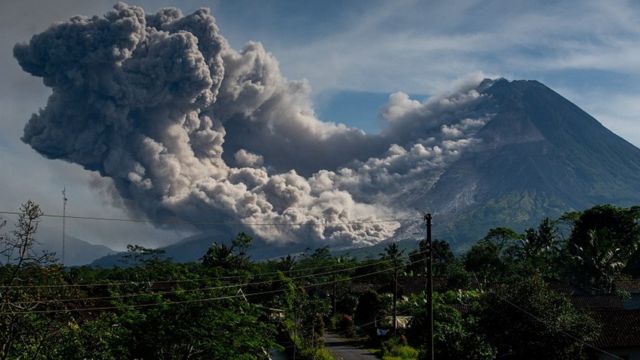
344,349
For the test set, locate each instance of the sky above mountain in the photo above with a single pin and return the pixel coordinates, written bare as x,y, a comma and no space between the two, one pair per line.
353,55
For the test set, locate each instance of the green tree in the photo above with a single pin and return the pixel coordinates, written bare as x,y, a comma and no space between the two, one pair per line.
138,255
241,245
540,250
220,255
456,334
368,308
541,241
393,254
603,240
490,257
286,264
229,257
525,319
442,257
22,333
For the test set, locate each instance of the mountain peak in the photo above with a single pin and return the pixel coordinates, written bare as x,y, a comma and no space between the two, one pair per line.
539,156
512,87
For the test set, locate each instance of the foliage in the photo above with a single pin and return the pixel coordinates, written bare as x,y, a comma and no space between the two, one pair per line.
19,330
396,349
603,241
232,256
525,319
346,325
443,257
457,334
369,305
304,321
137,255
347,304
492,301
485,261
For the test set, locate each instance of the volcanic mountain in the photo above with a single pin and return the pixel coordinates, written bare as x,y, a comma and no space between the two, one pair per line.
538,156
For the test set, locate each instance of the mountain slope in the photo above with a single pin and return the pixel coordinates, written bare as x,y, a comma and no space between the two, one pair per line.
78,252
540,156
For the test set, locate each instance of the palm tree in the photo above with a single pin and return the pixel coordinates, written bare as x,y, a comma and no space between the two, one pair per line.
393,253
602,241
287,264
601,258
219,255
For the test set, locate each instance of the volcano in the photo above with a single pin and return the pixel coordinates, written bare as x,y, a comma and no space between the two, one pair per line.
185,129
539,156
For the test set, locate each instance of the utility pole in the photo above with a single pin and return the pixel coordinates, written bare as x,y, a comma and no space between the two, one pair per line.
64,218
334,290
395,297
333,294
295,328
429,266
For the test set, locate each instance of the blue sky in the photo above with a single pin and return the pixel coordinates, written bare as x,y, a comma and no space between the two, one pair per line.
353,54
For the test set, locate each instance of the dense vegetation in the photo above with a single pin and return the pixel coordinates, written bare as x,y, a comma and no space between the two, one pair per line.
498,299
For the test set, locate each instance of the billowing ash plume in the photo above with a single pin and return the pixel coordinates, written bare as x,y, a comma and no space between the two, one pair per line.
187,127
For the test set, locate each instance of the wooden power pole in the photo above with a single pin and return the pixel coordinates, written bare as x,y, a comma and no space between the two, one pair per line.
429,266
334,292
395,298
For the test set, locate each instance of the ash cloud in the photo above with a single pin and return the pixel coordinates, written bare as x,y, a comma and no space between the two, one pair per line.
187,128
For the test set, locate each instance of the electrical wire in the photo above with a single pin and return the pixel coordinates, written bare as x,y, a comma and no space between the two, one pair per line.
184,222
125,283
543,322
230,286
202,300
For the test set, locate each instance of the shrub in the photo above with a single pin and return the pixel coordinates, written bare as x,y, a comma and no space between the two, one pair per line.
394,349
346,325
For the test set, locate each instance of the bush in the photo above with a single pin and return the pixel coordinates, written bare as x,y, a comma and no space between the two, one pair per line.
346,325
401,352
323,354
394,349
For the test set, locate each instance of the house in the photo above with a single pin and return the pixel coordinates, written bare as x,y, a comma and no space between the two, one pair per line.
618,315
619,333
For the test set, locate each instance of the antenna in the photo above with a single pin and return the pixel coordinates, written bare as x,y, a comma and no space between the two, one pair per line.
64,214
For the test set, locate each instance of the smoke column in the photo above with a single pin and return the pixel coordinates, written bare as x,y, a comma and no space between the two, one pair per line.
185,127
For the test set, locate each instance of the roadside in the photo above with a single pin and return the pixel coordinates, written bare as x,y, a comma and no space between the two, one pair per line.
346,349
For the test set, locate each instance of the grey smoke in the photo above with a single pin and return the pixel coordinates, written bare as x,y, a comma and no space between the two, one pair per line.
187,128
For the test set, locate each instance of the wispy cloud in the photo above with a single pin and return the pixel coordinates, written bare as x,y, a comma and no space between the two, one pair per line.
420,47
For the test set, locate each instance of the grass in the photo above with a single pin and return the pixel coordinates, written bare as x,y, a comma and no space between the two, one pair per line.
393,350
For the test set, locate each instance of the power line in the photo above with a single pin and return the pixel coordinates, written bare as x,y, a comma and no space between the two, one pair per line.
230,286
214,288
569,335
184,222
102,308
548,326
143,282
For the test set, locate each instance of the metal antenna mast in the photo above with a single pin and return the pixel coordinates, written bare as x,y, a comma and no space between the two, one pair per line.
64,214
429,266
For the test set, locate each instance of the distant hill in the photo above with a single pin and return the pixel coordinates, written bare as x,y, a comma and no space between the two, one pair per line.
194,247
77,252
